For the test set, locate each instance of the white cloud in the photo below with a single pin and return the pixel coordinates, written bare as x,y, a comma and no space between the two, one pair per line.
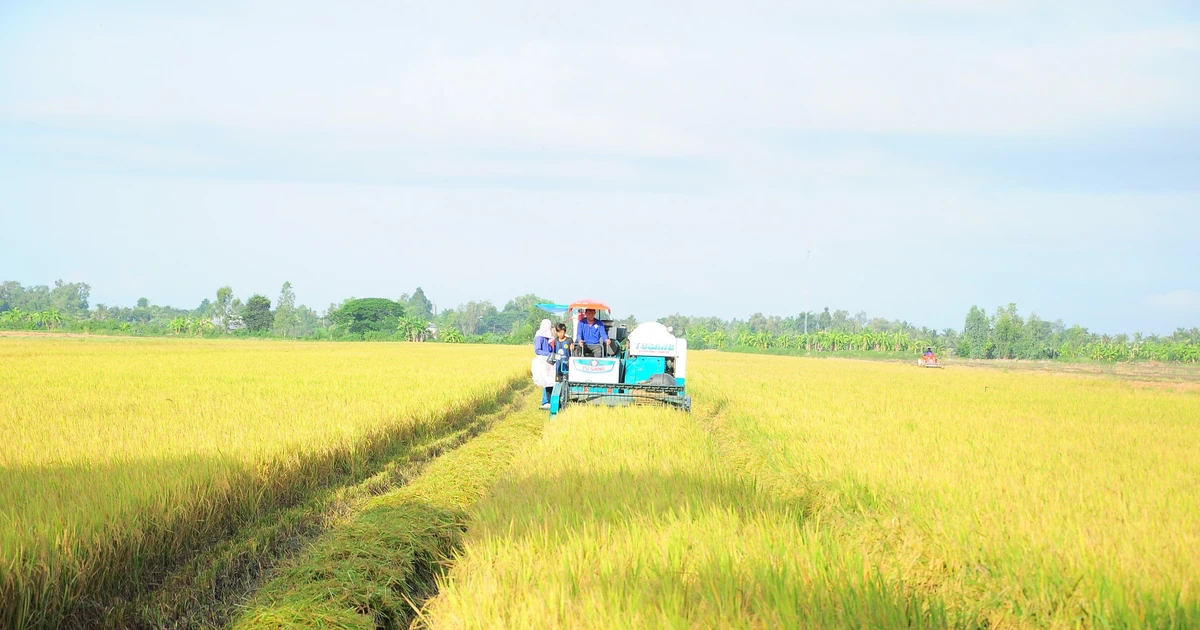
661,84
1183,299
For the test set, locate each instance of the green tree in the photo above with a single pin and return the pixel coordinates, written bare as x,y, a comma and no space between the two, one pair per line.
519,319
840,321
12,317
51,318
71,298
257,314
472,315
308,321
29,299
198,327
366,315
223,307
143,303
677,323
860,321
1006,332
204,310
1035,341
10,295
451,335
419,306
286,319
976,338
411,328
825,320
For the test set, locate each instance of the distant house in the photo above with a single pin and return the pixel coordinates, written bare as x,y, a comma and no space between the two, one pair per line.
235,322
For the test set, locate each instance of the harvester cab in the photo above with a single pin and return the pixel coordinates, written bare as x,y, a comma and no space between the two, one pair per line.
929,359
646,366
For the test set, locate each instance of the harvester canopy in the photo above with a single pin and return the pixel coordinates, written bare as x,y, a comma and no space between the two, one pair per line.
554,309
583,305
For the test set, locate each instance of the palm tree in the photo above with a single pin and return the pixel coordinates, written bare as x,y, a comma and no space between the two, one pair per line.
12,317
51,318
411,328
178,325
199,326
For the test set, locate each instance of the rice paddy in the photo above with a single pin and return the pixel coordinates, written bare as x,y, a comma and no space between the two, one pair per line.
799,493
120,456
826,493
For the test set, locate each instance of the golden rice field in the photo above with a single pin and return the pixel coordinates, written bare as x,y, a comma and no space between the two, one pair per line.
119,456
829,493
799,493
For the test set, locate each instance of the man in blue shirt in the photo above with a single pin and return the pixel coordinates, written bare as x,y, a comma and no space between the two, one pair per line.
590,333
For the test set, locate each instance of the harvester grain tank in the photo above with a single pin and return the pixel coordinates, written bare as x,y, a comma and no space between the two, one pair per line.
647,366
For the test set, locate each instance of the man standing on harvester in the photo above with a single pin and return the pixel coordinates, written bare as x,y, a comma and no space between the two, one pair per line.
590,334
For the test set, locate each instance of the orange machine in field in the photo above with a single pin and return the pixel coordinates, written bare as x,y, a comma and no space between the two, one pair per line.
929,359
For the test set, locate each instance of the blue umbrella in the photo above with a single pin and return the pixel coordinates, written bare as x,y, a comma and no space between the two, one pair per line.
556,309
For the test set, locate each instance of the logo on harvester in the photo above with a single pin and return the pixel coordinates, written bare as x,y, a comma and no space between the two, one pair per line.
654,347
596,366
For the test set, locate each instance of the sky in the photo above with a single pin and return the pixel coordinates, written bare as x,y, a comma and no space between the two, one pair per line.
904,159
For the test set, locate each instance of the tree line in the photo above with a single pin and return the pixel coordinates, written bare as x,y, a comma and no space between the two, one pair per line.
410,317
1005,334
1002,335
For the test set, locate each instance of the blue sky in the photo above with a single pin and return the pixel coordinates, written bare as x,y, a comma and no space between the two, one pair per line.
931,155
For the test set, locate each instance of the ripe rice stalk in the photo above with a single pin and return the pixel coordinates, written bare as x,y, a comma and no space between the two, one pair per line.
830,493
122,457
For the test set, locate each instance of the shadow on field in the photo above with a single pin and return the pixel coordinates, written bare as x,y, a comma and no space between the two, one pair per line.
724,552
107,528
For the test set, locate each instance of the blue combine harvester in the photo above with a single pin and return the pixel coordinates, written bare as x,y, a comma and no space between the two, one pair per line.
647,366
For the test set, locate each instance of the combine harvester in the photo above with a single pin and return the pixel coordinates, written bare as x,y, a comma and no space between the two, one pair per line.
929,359
645,367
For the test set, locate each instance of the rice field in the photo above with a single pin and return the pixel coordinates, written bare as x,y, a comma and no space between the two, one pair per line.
368,573
799,493
120,456
827,493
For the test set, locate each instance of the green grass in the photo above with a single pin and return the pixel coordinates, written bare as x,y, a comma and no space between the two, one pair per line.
374,569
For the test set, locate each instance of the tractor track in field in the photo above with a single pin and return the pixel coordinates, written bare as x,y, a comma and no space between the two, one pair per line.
208,590
381,566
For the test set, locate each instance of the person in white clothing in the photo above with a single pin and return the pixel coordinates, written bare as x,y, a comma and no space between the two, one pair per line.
543,361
